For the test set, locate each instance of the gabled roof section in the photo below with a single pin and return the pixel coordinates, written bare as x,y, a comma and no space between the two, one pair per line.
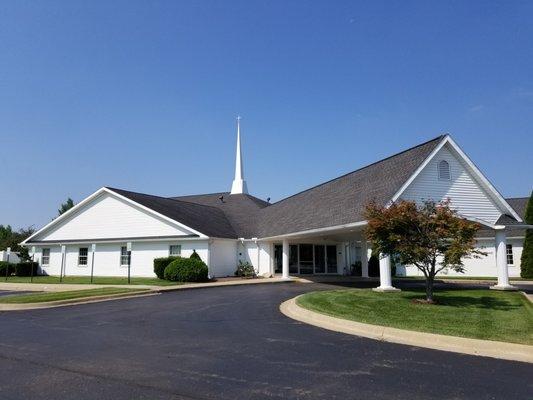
241,210
504,207
342,200
208,220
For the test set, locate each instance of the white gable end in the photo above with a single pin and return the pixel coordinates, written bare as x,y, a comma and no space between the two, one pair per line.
109,217
466,194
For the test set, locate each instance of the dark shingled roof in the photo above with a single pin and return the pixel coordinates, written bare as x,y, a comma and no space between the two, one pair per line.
336,202
210,221
241,210
342,200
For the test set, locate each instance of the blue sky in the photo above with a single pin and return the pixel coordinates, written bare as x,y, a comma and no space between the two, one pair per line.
143,95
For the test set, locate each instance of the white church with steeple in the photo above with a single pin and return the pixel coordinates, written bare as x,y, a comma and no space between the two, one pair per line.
318,231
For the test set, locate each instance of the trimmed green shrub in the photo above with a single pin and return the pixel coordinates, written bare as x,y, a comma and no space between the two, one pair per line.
160,264
186,270
245,270
195,255
10,268
24,268
526,261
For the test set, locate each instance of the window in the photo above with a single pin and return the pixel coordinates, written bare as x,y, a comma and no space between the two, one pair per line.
320,259
174,250
510,258
82,256
124,256
306,259
45,259
331,254
444,170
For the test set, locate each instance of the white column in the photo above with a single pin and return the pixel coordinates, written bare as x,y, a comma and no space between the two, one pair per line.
285,263
385,275
501,262
364,259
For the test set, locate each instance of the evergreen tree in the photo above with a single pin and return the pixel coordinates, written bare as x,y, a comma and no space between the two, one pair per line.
65,206
526,262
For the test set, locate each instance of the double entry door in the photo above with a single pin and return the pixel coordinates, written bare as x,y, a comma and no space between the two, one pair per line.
306,259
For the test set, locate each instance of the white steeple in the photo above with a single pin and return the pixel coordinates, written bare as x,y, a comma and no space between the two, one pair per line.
239,184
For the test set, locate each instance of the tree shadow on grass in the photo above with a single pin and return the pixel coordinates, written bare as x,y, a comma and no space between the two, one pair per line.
481,302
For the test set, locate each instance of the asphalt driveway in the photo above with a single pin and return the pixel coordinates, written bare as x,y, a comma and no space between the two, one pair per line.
227,343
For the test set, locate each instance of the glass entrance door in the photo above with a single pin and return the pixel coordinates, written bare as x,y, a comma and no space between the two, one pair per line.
320,259
306,259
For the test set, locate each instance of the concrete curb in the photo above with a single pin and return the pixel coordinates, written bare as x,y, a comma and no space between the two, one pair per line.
476,347
69,302
188,286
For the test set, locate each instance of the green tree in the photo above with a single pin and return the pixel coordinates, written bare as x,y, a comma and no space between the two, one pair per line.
430,236
526,261
10,238
65,206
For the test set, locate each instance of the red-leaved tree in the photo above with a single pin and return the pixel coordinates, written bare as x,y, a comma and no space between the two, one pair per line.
430,236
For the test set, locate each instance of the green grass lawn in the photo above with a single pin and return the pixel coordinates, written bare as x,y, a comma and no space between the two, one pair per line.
98,280
72,294
480,314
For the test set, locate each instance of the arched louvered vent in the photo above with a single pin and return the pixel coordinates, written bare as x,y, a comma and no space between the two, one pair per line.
444,170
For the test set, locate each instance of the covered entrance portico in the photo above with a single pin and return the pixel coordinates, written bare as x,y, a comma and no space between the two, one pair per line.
330,251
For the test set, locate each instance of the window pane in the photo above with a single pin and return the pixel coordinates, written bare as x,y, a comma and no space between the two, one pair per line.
82,255
293,259
278,260
45,260
510,258
320,259
332,259
306,259
175,250
124,255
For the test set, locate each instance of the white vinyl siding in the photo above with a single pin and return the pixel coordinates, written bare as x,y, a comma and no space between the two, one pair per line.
465,193
108,216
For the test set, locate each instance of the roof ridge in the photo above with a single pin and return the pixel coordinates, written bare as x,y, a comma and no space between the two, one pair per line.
440,137
167,198
196,195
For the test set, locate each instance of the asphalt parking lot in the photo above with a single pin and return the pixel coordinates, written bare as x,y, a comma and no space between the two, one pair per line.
227,343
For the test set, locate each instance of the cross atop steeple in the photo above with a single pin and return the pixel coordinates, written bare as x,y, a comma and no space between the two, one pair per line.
239,184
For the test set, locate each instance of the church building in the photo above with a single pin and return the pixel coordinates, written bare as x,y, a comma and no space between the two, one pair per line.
316,231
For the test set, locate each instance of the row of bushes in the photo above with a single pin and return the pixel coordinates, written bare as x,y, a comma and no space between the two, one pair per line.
20,269
180,269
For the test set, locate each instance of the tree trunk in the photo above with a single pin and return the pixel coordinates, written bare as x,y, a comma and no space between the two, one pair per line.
429,288
429,283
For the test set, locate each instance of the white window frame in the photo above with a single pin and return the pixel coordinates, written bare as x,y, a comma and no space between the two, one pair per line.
47,257
170,250
123,256
509,254
441,178
80,257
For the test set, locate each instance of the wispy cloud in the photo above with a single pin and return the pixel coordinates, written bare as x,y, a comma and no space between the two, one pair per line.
476,108
522,92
